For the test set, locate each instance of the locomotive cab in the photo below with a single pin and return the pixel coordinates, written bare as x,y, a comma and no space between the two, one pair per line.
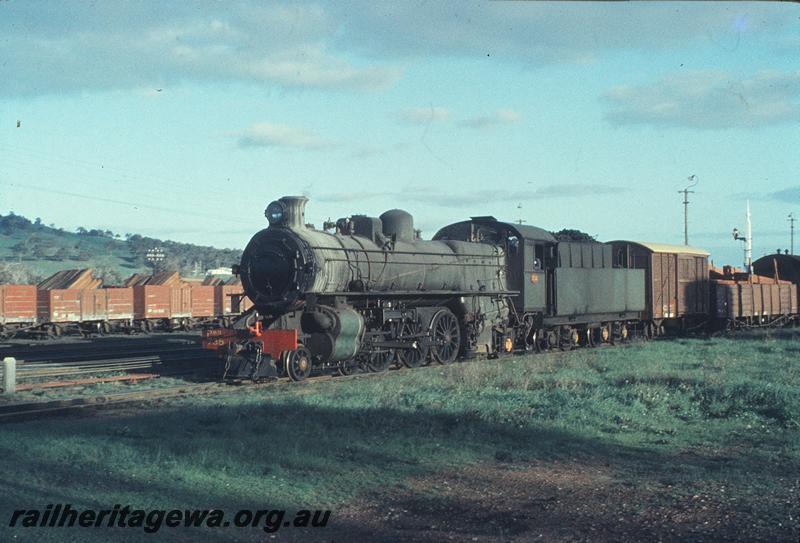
530,252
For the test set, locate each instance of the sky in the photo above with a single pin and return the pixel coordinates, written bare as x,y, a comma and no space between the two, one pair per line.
183,120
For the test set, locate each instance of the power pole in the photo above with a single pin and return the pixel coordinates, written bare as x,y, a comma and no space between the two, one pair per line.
521,220
686,192
791,220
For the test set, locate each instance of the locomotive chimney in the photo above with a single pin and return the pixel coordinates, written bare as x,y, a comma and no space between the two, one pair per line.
295,211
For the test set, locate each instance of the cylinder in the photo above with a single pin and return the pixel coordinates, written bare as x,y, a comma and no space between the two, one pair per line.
335,333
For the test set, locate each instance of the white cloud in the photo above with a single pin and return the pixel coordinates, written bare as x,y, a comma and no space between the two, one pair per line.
280,135
346,45
501,116
289,47
710,99
538,33
423,115
313,68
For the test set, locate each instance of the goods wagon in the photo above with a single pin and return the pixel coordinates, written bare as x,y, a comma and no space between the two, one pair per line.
745,300
88,309
71,305
202,301
230,300
17,307
75,300
161,302
754,303
676,282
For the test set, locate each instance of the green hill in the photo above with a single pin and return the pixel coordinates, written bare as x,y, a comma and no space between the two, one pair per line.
31,251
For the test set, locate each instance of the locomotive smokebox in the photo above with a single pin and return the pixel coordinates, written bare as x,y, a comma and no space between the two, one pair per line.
289,212
398,224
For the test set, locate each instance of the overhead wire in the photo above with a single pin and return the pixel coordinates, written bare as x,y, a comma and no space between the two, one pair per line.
53,166
153,179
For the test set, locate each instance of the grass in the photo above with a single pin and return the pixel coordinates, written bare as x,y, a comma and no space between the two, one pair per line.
691,413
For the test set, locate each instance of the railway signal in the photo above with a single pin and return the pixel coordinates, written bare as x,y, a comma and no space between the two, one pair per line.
791,220
747,240
155,256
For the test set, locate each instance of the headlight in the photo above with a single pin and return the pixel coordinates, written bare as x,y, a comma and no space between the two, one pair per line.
275,213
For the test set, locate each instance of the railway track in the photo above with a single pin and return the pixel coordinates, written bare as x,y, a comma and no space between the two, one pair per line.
156,355
34,410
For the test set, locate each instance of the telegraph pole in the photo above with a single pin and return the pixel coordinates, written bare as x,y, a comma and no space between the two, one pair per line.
791,220
686,192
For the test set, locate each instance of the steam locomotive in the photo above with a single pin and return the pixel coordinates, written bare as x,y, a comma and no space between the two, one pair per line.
366,292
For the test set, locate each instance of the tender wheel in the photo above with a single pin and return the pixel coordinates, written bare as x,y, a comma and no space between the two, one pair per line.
619,333
411,358
551,339
590,337
299,364
380,361
445,337
602,334
568,338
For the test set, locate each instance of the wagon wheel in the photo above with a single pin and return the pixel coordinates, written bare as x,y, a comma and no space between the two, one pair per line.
445,337
380,360
416,356
299,364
